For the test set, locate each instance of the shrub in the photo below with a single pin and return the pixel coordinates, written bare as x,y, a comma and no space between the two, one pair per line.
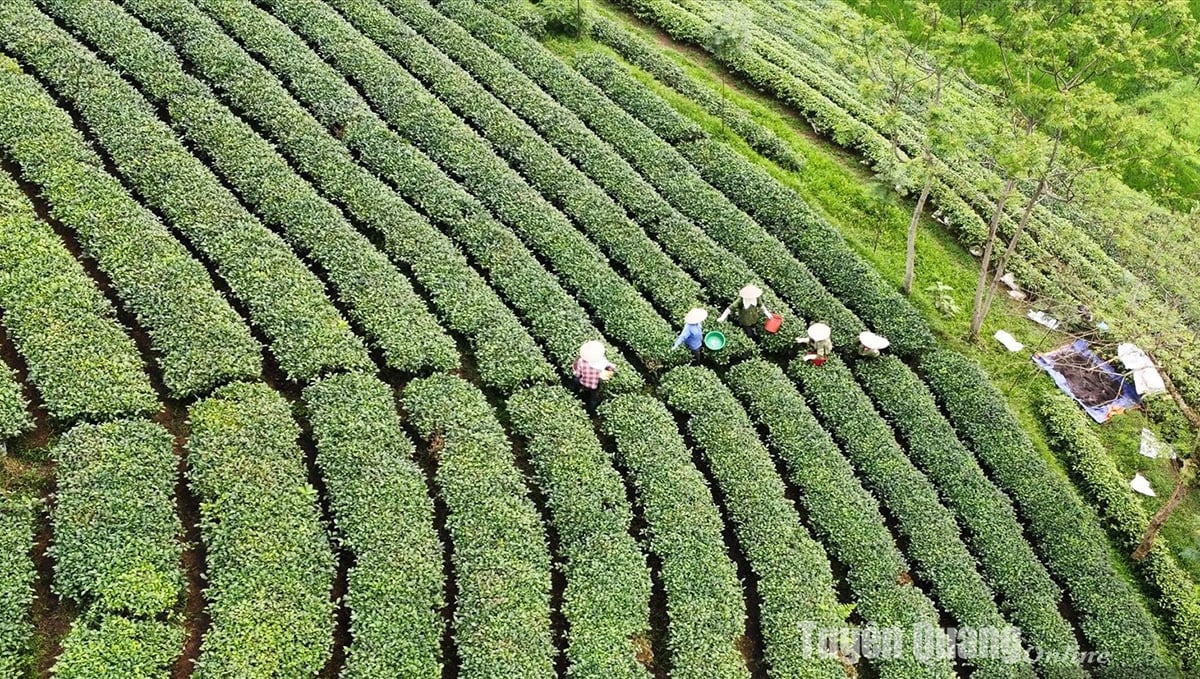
430,126
844,514
17,574
929,528
1071,435
198,339
507,356
270,565
1020,581
1066,532
501,624
384,518
794,582
284,299
606,602
80,359
118,647
116,534
705,610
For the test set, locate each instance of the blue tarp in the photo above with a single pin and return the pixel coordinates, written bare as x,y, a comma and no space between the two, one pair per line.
1101,412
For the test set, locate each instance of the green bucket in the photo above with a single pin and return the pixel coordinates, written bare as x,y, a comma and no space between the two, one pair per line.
714,340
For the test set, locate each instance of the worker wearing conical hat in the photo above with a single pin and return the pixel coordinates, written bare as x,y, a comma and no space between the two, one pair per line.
819,344
590,369
749,307
693,330
870,344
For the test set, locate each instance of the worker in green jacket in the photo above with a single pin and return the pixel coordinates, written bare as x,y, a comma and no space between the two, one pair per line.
749,307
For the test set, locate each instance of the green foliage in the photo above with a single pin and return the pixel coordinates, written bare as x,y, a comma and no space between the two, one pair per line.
507,356
552,314
666,170
1065,531
199,340
606,602
116,534
14,416
784,214
646,266
80,359
118,647
1028,595
384,518
704,597
378,297
1071,435
943,300
270,565
929,527
639,52
844,514
284,299
795,584
17,574
566,17
430,126
501,624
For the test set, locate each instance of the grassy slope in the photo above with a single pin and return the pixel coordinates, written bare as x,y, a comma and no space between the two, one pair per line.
874,219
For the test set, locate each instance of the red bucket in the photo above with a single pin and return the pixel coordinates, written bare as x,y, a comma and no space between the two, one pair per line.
773,323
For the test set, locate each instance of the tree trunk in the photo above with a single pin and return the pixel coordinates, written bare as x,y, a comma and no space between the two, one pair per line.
910,246
981,285
1182,487
1016,237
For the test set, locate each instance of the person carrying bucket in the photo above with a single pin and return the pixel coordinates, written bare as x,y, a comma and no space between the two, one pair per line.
693,330
870,344
590,369
750,309
819,344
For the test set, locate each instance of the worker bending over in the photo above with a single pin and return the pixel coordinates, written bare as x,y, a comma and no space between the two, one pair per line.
870,344
819,344
590,369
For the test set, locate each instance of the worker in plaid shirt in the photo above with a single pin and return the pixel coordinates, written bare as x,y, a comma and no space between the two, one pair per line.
590,369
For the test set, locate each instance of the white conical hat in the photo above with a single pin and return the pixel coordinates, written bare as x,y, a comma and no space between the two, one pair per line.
695,316
818,332
1141,485
750,294
872,341
592,351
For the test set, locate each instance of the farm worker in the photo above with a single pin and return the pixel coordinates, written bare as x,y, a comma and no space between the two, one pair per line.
692,334
870,344
590,369
750,309
818,343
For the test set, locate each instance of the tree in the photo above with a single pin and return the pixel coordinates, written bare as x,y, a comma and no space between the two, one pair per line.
1052,55
1184,483
730,36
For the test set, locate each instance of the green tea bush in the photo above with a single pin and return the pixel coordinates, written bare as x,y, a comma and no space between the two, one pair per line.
843,513
928,526
79,357
307,334
1065,530
118,647
17,574
705,610
794,581
501,563
606,602
384,518
507,356
270,564
1071,435
116,536
198,339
